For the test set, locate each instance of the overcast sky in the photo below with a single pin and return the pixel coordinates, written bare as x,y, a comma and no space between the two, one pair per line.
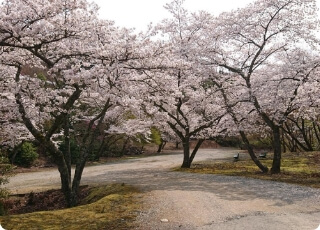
139,13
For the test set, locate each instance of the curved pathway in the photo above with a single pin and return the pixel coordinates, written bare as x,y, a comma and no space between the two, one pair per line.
175,200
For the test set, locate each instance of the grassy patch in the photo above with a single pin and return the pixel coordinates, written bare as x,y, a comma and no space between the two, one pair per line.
111,207
302,169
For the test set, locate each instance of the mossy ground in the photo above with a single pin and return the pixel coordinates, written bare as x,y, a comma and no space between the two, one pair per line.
106,207
296,168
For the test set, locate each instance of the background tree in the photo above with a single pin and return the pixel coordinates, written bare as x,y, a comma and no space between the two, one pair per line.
172,93
256,44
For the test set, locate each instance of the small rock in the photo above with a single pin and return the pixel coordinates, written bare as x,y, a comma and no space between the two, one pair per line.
164,220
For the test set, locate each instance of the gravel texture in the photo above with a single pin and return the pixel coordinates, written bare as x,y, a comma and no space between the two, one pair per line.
176,200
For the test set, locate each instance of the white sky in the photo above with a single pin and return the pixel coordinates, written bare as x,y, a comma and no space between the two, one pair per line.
139,13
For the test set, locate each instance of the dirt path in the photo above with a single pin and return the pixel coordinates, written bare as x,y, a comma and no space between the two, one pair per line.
195,201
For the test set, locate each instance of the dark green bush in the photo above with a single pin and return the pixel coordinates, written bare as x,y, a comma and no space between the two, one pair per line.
74,150
26,154
228,141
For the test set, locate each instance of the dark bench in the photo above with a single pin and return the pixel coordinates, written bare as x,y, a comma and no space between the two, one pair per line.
263,155
236,157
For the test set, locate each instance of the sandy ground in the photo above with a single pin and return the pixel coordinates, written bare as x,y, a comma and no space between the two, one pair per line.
175,200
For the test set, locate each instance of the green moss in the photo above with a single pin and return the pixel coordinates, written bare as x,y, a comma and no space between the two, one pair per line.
99,192
302,170
117,209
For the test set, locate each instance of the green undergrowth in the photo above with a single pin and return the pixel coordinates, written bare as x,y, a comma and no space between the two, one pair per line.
302,169
110,207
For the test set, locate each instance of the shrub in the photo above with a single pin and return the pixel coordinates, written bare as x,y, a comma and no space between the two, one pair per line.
6,170
26,155
155,136
74,150
228,141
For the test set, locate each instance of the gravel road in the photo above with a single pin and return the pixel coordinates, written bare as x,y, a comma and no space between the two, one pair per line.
175,200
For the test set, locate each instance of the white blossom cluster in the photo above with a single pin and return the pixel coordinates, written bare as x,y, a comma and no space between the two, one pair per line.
192,76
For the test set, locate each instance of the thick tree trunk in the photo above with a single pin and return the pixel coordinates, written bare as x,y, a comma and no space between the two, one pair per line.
66,185
276,164
186,153
77,178
253,156
65,172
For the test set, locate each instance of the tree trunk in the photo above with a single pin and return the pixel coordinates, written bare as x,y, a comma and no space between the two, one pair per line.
164,144
67,153
161,146
276,164
294,137
77,176
253,156
195,150
306,137
283,142
66,185
186,153
316,129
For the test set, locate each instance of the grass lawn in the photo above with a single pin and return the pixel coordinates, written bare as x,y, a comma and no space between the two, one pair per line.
106,207
296,168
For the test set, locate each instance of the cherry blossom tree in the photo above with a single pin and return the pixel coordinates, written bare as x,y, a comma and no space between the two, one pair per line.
242,118
84,58
258,45
302,127
171,92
